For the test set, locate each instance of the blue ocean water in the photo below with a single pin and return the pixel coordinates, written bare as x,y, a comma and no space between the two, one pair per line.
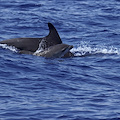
85,87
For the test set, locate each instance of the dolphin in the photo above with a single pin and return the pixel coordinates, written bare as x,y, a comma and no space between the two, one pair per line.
56,51
49,46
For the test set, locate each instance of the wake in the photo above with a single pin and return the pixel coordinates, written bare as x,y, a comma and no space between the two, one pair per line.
86,50
81,50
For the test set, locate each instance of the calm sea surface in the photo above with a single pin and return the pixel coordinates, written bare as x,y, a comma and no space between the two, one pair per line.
85,87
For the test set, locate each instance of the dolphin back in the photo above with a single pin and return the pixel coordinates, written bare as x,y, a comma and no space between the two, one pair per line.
33,44
27,44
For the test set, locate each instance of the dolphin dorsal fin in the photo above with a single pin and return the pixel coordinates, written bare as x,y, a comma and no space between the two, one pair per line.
53,36
52,39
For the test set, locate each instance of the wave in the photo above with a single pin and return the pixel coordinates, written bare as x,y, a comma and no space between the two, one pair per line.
86,50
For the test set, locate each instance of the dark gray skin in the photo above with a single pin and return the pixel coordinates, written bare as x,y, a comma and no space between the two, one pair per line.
56,51
30,45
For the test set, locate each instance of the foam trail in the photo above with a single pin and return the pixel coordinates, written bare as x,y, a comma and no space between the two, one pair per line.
84,49
5,46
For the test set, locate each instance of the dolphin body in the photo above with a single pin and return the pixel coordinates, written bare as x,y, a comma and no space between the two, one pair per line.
50,46
56,51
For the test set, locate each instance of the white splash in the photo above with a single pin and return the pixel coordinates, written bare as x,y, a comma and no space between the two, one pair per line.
42,46
5,46
84,49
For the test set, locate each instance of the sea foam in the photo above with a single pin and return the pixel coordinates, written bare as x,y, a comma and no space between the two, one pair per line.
85,49
12,48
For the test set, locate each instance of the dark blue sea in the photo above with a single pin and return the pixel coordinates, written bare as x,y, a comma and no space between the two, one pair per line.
84,87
